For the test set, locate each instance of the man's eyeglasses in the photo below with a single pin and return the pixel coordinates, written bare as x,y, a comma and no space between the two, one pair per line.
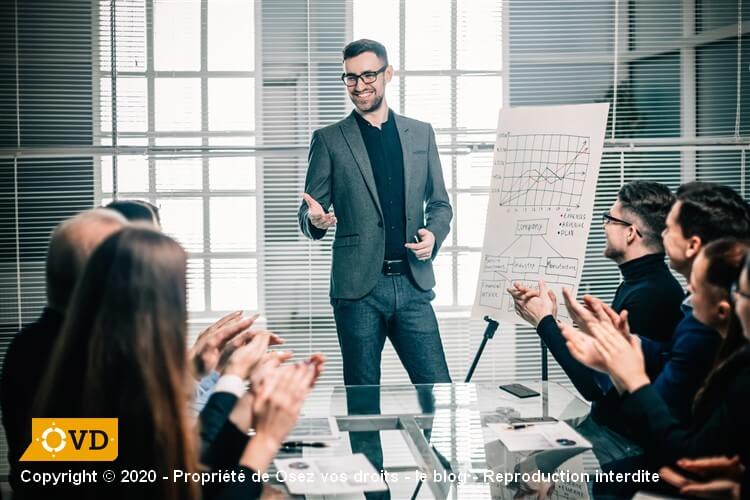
609,219
350,79
735,291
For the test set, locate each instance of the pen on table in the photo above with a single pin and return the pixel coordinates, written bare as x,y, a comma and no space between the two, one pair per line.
516,427
523,425
300,444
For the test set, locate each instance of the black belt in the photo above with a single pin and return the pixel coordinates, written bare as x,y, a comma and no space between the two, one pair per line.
395,267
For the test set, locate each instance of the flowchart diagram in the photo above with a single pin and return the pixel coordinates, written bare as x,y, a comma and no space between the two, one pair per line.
529,257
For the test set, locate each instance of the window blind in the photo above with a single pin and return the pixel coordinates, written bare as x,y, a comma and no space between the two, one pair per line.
45,102
669,70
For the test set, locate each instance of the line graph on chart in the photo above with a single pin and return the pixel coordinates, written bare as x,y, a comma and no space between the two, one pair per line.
540,170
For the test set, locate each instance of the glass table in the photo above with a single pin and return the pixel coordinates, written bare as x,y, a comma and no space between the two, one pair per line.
433,441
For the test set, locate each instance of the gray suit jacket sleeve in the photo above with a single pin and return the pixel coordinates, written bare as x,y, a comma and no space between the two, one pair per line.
317,184
438,211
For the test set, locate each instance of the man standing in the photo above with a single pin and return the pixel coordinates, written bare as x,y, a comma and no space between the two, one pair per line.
382,173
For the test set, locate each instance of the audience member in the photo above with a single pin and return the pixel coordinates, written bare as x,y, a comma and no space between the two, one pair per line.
718,422
679,367
703,212
28,355
122,353
632,228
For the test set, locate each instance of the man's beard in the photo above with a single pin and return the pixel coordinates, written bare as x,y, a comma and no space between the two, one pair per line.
613,254
376,103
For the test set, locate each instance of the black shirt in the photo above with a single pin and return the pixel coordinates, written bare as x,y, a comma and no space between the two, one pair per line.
24,368
387,160
650,290
723,431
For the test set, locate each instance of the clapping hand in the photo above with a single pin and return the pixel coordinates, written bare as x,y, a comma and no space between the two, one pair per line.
533,305
243,360
261,373
615,351
277,399
722,477
227,333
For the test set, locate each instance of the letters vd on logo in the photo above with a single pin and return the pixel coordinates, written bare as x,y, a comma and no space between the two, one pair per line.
72,440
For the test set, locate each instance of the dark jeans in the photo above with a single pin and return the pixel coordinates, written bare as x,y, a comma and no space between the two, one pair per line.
400,311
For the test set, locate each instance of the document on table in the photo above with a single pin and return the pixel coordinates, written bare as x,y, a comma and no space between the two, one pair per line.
547,436
329,475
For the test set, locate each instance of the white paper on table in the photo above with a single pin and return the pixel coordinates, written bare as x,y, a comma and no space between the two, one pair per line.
539,437
330,475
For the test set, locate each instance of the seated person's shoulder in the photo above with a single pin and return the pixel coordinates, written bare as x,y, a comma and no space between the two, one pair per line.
33,343
693,335
654,308
664,287
23,342
690,324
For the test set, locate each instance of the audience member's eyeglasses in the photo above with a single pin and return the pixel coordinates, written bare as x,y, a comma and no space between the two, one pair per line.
736,292
350,79
610,219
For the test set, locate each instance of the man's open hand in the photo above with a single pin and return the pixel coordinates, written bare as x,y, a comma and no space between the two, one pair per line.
319,217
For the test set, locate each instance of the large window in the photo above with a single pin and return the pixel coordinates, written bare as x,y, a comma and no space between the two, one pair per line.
185,79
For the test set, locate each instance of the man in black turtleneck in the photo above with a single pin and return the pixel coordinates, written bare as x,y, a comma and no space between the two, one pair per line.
649,291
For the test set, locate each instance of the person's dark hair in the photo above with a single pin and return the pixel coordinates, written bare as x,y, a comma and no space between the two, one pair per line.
725,259
712,211
650,202
136,210
122,353
357,47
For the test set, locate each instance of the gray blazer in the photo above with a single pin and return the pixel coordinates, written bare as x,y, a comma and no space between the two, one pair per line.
340,174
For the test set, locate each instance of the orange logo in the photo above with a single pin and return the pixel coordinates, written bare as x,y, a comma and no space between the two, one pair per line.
72,440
